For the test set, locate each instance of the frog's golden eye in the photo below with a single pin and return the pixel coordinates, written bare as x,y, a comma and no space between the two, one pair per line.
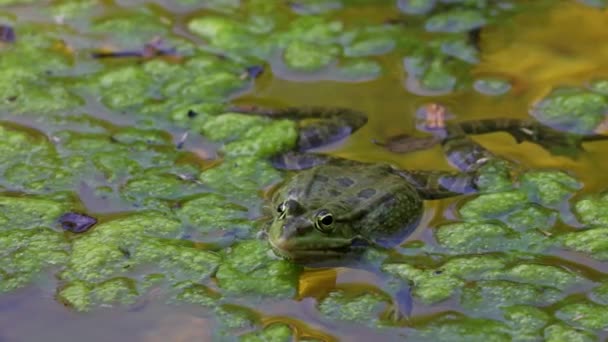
324,221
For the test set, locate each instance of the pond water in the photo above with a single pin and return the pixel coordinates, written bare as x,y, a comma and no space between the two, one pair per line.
144,144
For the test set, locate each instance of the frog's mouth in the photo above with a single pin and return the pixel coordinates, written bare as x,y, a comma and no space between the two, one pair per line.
315,254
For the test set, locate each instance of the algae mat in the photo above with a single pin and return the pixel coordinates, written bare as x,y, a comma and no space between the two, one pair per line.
118,109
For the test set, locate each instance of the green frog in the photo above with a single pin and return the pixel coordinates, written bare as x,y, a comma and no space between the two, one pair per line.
335,207
332,207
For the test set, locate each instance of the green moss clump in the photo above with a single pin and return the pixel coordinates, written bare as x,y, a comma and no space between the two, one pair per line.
28,212
457,20
561,332
489,296
492,86
549,188
121,246
594,242
276,332
211,212
362,308
246,176
434,285
526,321
359,70
541,275
458,328
585,315
250,270
572,109
304,56
25,253
469,237
532,216
491,206
593,210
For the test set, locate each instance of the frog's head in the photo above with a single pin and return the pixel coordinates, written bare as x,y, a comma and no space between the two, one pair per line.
299,233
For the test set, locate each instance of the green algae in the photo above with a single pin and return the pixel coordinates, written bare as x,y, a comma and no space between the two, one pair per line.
593,209
487,296
25,253
458,20
120,249
28,213
489,206
248,270
304,56
362,308
212,211
573,110
275,332
437,284
585,315
590,241
463,329
562,332
535,274
526,322
492,86
550,188
470,237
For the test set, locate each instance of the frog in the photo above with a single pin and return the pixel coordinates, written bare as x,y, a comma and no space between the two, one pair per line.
332,208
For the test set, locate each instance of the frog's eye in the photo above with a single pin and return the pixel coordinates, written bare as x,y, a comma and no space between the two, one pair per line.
324,221
282,210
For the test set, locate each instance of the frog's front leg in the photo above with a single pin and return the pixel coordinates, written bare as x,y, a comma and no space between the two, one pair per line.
317,126
432,185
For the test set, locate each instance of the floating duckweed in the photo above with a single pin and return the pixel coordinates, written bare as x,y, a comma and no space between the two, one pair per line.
593,210
359,70
457,328
561,332
491,86
599,86
572,109
276,332
363,308
491,295
491,206
249,270
211,212
591,241
305,56
370,47
416,6
586,315
550,188
526,321
458,20
25,253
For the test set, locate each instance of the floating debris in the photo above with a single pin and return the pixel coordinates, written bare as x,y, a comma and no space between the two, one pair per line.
154,48
404,143
7,34
76,222
252,72
434,116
